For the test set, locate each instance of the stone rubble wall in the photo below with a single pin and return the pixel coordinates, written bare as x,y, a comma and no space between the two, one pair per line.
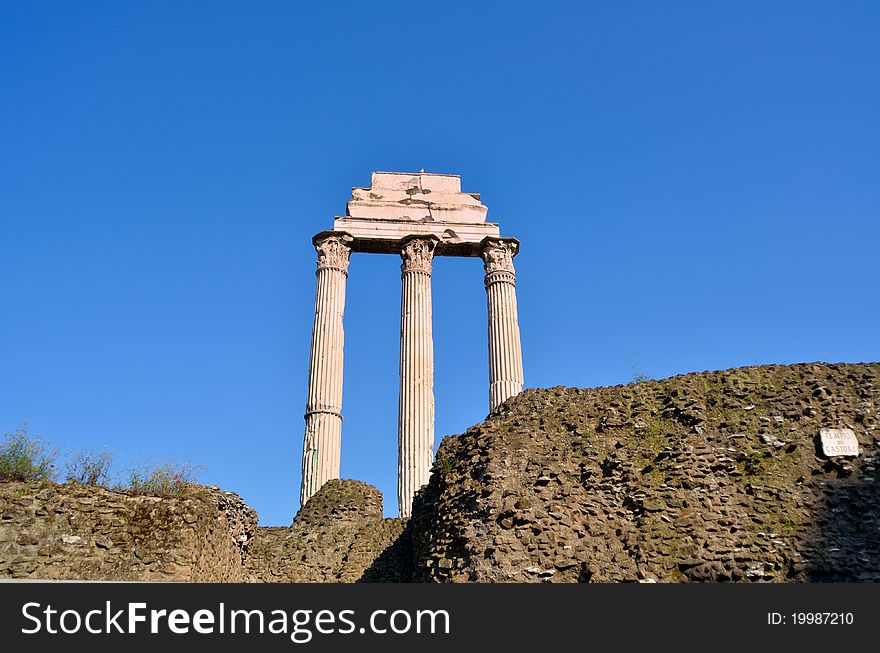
79,532
715,476
702,477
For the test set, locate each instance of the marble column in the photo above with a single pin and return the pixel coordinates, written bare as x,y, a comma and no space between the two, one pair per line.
323,436
505,352
415,418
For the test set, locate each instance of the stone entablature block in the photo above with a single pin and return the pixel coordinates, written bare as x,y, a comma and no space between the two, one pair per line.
397,205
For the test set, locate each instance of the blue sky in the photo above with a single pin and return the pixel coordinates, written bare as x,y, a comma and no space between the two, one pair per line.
695,186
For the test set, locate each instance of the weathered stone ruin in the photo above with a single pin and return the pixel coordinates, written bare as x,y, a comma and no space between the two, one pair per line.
701,477
340,535
73,532
717,476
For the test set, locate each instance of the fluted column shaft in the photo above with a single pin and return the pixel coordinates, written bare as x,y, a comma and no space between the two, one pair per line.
505,351
415,421
323,437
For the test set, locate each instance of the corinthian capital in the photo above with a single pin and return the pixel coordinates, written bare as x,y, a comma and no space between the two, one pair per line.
334,250
498,254
417,254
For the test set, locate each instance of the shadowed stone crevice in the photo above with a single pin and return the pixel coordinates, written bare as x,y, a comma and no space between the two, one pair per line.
394,564
843,543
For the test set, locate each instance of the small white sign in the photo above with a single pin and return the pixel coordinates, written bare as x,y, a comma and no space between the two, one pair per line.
839,442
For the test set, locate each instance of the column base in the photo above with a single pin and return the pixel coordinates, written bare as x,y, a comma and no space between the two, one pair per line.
501,391
321,451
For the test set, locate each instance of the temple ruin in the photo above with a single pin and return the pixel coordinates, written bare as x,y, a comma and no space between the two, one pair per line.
417,216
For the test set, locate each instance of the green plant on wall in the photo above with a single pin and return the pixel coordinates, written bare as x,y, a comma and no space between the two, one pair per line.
443,466
89,467
24,457
167,479
753,464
